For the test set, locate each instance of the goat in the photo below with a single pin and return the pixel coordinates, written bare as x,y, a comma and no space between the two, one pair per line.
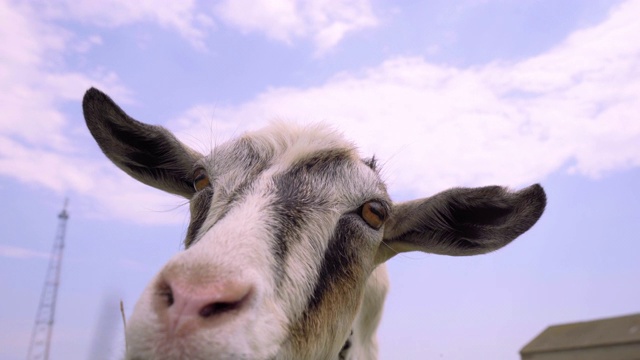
289,233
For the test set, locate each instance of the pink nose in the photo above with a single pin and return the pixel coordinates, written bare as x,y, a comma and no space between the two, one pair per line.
188,306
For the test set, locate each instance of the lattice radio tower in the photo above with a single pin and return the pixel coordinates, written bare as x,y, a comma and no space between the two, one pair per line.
43,327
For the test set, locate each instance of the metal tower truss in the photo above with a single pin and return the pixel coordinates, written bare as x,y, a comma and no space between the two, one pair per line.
43,327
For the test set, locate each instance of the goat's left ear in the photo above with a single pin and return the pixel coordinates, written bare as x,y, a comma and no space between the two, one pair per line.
462,221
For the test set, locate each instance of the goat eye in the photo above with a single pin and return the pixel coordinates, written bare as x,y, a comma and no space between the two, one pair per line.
200,179
374,214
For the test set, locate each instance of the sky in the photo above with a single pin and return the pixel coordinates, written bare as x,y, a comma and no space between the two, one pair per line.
445,94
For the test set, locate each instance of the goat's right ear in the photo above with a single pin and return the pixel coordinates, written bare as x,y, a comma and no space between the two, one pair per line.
150,154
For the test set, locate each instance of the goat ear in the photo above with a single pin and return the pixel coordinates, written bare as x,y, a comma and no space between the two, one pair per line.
150,154
462,221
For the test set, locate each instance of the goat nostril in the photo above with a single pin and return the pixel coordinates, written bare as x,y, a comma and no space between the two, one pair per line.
217,308
166,293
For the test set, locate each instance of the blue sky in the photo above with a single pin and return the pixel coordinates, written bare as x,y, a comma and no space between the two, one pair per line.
446,94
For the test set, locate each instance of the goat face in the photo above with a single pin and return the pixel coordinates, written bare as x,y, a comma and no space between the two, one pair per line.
289,229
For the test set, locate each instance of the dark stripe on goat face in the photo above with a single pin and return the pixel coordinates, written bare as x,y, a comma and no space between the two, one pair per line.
340,266
200,205
298,193
338,288
242,158
246,154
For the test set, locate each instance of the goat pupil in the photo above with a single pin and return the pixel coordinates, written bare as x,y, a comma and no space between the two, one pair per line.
377,210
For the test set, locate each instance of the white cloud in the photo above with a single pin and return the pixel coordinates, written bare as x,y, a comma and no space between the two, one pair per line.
576,106
180,16
32,87
86,45
325,21
15,252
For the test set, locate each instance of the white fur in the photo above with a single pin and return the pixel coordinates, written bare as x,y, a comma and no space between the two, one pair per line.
236,248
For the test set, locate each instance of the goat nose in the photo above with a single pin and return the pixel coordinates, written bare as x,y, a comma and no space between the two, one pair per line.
200,304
